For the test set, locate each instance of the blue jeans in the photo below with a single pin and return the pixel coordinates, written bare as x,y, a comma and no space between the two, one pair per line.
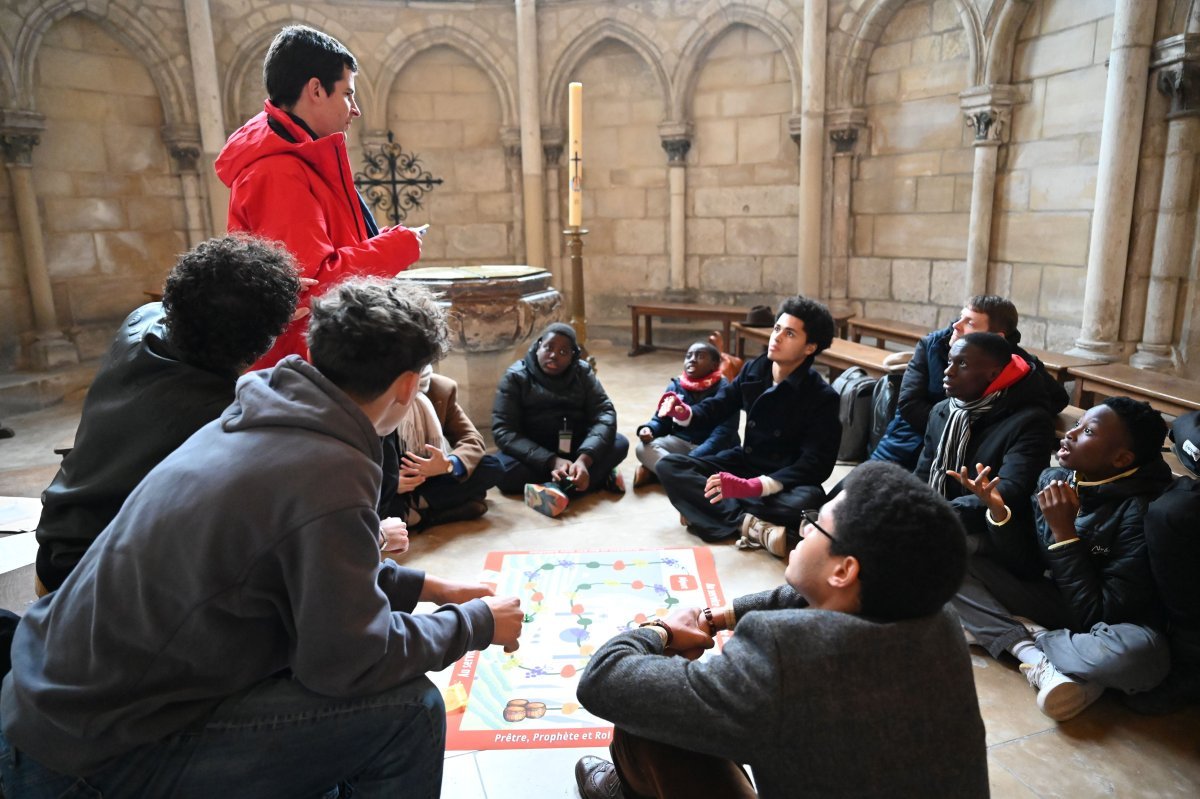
276,739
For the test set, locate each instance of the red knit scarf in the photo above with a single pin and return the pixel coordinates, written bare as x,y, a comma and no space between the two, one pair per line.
703,383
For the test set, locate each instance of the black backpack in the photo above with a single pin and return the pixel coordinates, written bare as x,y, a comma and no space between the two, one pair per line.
883,407
855,389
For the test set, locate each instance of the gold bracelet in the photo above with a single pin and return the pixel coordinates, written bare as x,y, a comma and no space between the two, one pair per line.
1008,517
730,617
1061,544
663,626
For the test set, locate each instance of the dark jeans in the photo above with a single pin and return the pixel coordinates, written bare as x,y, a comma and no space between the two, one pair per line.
652,769
683,477
275,739
517,473
445,491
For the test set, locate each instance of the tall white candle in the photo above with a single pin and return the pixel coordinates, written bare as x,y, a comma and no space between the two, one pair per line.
575,164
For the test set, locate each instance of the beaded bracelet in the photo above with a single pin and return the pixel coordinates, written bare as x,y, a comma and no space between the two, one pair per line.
712,625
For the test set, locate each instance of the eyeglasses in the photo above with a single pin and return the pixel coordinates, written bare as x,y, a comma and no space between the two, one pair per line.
810,517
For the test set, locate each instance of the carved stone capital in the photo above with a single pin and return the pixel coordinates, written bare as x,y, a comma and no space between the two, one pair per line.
186,157
677,149
18,148
510,140
989,124
843,140
1181,83
795,123
552,153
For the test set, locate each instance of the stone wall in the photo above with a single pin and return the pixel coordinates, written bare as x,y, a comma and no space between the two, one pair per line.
112,212
911,197
1046,191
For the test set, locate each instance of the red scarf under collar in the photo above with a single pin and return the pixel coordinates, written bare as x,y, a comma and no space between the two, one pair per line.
703,383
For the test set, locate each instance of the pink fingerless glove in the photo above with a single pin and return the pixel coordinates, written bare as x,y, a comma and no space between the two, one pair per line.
670,405
734,487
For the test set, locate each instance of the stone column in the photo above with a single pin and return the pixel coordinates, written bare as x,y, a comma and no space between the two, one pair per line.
1180,81
677,140
208,107
1120,141
19,134
987,109
843,135
812,145
552,149
185,159
510,139
531,133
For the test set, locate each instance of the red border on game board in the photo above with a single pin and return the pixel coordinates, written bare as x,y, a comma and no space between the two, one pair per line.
554,738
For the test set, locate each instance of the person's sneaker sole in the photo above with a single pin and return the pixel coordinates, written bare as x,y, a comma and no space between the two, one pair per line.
545,499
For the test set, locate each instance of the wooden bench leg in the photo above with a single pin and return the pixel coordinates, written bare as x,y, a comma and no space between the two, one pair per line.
635,335
727,339
649,332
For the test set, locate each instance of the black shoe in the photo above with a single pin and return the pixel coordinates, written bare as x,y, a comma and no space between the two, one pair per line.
597,779
471,509
6,432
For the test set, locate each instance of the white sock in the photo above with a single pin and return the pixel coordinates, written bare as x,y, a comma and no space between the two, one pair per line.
1026,651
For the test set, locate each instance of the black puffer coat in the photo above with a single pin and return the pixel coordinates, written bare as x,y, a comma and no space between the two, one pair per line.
1105,576
531,405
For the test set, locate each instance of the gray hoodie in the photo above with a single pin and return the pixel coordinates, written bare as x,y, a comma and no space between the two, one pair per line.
251,549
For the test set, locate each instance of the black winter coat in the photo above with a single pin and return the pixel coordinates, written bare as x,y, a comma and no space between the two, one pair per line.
1016,439
1106,576
531,405
792,429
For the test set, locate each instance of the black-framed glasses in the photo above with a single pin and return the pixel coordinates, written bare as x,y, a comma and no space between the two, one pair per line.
810,517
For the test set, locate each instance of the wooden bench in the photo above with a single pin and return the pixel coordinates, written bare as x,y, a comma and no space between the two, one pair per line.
840,356
725,314
885,330
742,332
1060,365
1167,394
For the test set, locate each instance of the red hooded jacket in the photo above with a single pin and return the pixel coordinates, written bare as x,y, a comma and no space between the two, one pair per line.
302,194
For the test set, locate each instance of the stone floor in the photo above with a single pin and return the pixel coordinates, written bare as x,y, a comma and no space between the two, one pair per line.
1107,751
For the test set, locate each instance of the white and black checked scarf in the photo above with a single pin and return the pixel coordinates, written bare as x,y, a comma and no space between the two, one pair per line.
952,446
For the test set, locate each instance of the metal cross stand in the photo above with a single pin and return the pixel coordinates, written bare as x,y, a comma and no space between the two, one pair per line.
393,180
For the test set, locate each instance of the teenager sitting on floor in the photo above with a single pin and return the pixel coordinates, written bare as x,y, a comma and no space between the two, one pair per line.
1173,543
921,387
701,379
555,426
1099,607
445,472
851,680
995,413
761,488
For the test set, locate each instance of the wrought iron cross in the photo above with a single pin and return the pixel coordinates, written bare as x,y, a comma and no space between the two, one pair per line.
393,180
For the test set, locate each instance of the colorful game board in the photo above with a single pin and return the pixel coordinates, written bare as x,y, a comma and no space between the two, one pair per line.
573,603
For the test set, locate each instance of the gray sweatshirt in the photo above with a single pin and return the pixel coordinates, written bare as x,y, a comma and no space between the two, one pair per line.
251,549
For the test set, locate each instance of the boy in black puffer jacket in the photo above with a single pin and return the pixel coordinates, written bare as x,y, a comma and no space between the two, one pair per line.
1098,606
701,379
555,426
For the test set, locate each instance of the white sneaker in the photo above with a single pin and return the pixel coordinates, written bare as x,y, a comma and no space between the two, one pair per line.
1060,697
757,533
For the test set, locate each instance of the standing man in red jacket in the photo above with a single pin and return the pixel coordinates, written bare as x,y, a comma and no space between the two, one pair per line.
290,178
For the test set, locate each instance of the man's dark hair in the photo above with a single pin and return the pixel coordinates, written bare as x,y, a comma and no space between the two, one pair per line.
1001,313
299,53
1144,425
365,332
997,348
227,299
818,322
910,545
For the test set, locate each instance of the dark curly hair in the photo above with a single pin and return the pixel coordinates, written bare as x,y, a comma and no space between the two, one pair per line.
1001,313
818,322
227,299
1144,426
910,545
299,53
366,331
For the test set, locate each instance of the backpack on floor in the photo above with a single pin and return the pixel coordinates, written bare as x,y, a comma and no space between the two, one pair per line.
883,407
855,389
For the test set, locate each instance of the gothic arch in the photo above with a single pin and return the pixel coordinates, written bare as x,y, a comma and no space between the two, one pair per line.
709,31
865,27
8,88
123,26
574,54
410,46
1003,24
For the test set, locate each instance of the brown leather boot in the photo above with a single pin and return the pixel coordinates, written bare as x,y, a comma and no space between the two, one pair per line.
597,779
